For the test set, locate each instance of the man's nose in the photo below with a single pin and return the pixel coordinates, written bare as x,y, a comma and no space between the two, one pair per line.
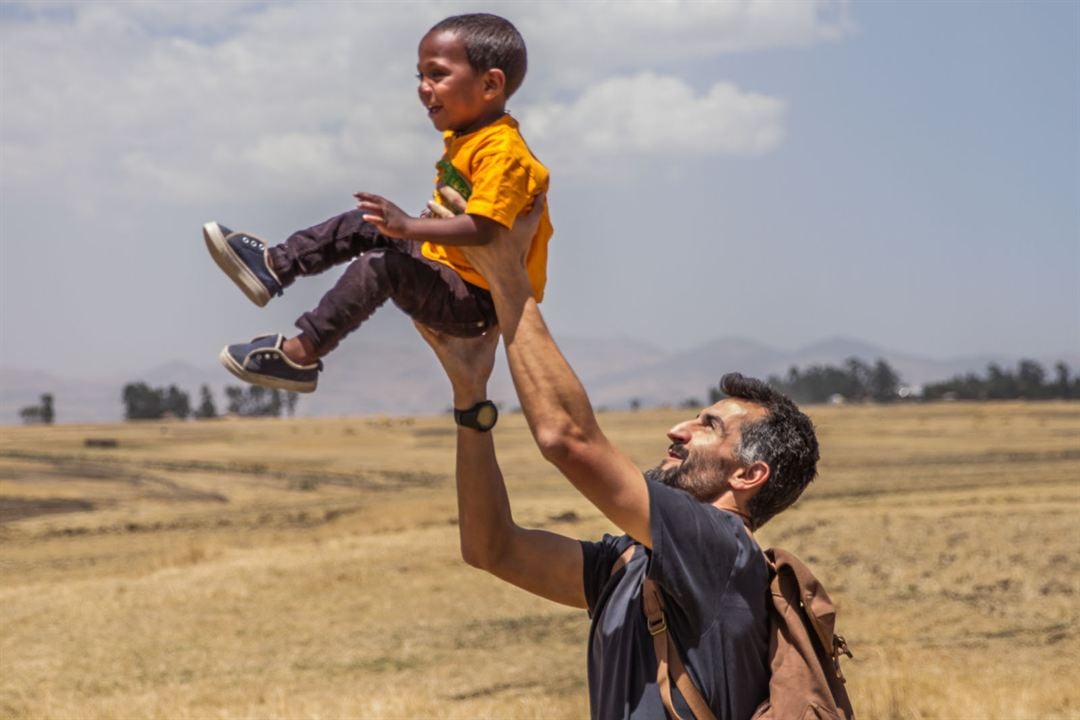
680,433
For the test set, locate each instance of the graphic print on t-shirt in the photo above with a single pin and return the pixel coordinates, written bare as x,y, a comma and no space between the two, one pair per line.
450,177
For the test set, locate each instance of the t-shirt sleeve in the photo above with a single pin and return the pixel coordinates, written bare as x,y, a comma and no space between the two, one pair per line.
597,561
695,548
500,184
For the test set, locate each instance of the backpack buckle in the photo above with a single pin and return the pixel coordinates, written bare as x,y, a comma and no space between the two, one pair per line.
657,624
840,647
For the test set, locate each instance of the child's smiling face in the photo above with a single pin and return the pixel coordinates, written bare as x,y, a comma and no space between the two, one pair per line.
456,96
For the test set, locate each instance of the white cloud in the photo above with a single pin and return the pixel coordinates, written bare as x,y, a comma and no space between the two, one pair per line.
596,39
164,114
192,93
652,115
291,98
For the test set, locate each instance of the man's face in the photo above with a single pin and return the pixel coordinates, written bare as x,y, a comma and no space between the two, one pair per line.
450,89
702,456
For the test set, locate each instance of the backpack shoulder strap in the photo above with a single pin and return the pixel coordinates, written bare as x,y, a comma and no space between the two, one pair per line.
668,663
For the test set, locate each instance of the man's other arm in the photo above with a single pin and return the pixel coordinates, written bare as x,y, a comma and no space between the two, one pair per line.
544,563
553,399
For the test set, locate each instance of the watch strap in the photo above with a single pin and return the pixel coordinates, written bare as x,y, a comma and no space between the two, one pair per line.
470,418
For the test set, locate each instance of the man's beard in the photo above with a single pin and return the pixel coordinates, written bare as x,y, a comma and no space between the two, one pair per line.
704,480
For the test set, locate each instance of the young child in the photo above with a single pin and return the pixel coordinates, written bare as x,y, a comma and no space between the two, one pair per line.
469,65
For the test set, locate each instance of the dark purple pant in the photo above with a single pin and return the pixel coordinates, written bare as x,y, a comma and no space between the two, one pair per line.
382,268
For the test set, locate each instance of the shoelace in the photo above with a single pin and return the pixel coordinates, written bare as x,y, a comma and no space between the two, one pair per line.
261,247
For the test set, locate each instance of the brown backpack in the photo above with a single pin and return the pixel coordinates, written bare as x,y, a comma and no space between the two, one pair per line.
804,652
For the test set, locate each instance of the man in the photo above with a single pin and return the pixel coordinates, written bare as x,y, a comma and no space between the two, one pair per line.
727,471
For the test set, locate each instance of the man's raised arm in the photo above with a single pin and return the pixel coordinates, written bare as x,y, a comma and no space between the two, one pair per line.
552,398
541,562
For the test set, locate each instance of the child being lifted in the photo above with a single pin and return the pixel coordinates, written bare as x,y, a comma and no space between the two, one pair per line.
468,67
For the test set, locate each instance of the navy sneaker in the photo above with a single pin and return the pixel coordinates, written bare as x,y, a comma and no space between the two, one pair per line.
262,362
243,258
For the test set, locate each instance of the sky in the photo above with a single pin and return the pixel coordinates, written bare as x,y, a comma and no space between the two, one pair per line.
903,173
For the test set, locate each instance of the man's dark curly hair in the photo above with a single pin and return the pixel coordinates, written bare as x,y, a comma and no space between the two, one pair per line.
784,439
490,42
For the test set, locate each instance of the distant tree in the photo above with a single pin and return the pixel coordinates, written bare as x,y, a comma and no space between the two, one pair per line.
291,399
275,403
48,415
884,382
857,384
40,414
142,402
30,415
635,404
1030,380
234,394
177,402
206,409
264,402
1000,384
255,402
1061,371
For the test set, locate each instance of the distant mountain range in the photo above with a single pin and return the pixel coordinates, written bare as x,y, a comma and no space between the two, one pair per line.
400,376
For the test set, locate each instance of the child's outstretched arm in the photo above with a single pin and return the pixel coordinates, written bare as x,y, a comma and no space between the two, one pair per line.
392,221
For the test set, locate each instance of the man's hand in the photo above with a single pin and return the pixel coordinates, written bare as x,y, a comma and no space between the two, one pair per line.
513,243
455,203
391,220
468,362
508,250
435,210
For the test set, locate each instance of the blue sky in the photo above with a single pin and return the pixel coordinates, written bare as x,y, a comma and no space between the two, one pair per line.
905,173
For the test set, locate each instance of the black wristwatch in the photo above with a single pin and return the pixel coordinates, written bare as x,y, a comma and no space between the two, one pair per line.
481,416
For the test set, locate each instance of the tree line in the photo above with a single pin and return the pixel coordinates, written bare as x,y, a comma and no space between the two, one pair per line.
142,402
1029,381
859,381
856,380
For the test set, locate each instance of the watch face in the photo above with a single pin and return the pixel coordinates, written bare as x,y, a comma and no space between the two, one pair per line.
486,416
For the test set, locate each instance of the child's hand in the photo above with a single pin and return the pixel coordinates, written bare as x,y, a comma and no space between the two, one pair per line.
391,220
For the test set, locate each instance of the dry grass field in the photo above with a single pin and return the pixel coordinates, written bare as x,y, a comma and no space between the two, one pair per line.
309,569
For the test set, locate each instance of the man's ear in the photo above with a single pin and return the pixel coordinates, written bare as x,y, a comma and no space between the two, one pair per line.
751,477
494,83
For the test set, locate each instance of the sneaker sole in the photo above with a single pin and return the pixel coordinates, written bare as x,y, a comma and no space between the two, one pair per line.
231,264
263,380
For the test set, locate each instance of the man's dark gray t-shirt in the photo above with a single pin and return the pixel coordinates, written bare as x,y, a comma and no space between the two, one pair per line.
715,586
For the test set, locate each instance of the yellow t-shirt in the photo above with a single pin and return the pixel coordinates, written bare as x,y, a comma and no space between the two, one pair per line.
497,174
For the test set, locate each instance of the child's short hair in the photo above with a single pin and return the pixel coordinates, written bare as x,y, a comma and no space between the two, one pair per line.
490,42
